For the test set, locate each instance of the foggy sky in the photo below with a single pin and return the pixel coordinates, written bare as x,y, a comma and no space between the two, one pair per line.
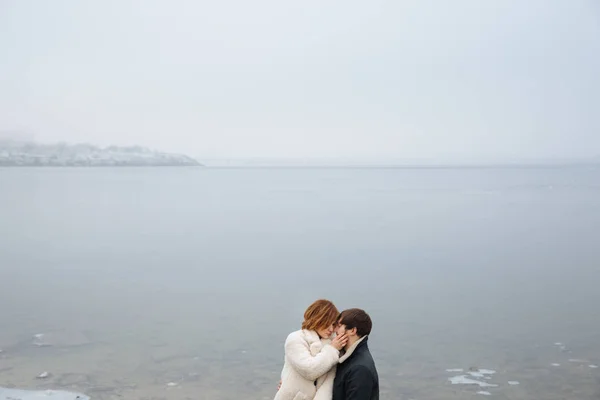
271,78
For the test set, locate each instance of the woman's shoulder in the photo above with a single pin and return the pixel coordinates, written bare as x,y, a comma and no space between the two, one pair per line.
296,335
301,335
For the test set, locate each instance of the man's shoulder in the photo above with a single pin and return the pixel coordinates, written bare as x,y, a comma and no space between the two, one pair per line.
364,354
363,360
359,369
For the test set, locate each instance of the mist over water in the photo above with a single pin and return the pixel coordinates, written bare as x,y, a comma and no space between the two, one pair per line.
144,277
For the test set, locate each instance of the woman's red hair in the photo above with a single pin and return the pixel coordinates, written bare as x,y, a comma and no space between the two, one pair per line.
320,315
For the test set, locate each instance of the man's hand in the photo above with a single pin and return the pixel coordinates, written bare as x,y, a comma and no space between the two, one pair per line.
279,386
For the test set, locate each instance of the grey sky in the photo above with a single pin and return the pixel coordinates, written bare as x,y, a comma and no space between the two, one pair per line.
271,78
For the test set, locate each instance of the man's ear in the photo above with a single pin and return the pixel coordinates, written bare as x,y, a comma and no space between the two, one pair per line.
352,331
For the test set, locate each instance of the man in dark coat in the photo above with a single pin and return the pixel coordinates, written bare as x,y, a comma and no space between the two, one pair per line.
356,376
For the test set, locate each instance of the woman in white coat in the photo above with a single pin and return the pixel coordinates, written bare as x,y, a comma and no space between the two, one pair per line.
311,355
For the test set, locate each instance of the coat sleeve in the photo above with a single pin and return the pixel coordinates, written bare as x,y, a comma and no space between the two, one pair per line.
309,366
359,383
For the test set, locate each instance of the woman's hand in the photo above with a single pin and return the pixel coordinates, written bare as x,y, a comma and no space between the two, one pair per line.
340,341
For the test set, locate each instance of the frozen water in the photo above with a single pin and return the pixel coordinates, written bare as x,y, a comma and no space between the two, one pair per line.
19,394
463,380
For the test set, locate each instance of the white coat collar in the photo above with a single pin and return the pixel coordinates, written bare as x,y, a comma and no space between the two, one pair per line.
314,341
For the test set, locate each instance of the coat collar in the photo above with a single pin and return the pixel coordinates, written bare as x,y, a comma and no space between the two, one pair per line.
311,336
350,350
315,343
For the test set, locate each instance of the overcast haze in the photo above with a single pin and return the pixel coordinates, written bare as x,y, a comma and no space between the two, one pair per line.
266,78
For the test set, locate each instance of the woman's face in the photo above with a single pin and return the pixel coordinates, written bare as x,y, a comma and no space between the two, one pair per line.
326,333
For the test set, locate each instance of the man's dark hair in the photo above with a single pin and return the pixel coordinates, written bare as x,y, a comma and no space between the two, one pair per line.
356,318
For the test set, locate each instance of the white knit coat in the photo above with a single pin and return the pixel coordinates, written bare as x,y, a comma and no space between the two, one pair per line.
308,358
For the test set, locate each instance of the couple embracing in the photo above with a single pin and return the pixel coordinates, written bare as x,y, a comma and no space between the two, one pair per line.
329,358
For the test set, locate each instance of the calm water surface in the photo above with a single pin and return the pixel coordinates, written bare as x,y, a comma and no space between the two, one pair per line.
143,277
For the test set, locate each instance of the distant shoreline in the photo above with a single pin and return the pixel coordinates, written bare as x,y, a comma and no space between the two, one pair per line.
16,154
